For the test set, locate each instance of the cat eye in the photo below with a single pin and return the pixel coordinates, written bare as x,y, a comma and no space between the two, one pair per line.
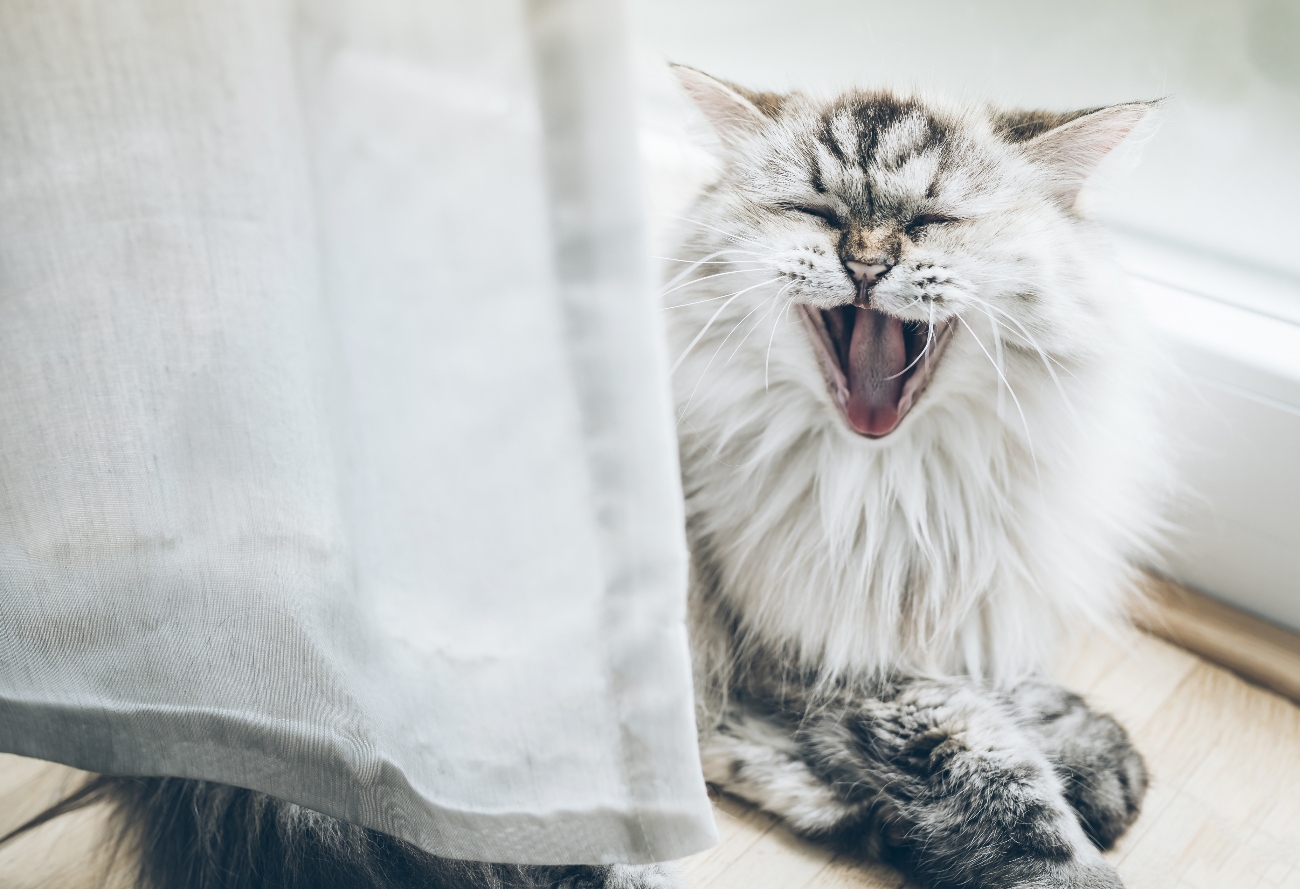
825,214
924,219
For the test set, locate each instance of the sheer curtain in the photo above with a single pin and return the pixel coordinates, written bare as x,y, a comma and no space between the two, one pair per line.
336,457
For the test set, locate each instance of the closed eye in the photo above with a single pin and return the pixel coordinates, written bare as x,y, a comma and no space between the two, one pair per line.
825,214
925,219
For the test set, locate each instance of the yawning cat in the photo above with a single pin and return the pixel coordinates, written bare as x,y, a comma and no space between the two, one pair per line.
916,443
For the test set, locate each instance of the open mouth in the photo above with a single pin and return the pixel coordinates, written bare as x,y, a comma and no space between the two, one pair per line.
876,365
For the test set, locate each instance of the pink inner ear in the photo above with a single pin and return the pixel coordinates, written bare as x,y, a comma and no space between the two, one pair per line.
730,113
1071,152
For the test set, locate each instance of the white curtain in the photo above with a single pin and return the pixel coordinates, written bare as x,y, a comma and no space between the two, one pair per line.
336,457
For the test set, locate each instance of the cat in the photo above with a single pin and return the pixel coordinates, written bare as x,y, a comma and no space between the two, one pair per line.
916,444
915,419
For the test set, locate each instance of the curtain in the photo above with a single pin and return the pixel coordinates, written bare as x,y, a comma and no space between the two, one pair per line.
336,457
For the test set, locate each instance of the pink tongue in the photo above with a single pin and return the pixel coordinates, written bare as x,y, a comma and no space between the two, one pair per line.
877,356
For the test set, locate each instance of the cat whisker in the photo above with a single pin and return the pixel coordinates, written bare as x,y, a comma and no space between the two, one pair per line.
775,301
710,450
694,281
918,299
1023,419
1024,331
767,362
1046,359
724,232
1002,361
699,336
930,333
694,302
929,338
704,373
706,261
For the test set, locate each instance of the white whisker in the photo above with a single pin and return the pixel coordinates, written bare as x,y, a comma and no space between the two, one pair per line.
711,262
711,452
694,281
706,261
716,351
1024,331
767,363
1002,361
775,302
1024,421
694,302
709,324
1046,359
724,232
929,338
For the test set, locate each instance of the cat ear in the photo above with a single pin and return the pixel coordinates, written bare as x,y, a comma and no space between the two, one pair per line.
733,112
1070,146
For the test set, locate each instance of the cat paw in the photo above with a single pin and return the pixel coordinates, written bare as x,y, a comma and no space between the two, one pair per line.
608,876
1106,786
1102,774
1088,871
1095,874
644,876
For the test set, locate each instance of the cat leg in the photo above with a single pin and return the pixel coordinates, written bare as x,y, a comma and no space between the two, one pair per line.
756,757
1103,775
937,777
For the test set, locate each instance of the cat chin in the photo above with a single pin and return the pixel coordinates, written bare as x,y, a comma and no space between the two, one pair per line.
926,346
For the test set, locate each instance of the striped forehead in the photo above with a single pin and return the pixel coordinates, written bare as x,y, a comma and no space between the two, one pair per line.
868,153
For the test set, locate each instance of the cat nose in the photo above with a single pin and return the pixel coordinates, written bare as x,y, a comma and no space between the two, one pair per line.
865,274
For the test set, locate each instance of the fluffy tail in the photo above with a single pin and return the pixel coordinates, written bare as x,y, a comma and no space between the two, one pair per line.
185,834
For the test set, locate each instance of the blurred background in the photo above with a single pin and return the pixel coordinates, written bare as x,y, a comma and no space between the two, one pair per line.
1203,207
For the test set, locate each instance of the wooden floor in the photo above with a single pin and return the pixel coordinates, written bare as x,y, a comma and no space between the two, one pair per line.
1223,810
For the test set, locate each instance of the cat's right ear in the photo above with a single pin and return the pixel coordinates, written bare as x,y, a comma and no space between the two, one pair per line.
732,113
1070,146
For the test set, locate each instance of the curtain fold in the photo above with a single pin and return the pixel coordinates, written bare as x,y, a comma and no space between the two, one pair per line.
335,450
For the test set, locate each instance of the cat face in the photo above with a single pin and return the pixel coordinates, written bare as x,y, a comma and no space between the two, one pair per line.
892,227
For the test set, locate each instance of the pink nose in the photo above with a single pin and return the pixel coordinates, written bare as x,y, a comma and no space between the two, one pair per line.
865,275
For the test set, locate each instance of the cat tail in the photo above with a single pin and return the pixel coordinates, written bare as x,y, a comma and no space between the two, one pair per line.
184,834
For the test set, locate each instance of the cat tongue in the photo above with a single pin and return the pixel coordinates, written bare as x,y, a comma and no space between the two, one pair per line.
877,357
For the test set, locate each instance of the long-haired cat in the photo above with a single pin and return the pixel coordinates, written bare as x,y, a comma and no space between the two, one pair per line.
916,444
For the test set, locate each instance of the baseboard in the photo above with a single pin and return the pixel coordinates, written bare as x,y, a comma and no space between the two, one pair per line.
1262,652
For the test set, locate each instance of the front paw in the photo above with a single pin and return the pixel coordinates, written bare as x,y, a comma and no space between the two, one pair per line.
643,876
1091,874
1105,782
605,876
1102,774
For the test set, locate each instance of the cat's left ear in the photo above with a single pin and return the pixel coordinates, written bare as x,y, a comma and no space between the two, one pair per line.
1072,149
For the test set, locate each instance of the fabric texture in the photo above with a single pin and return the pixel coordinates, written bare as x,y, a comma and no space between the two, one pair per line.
336,457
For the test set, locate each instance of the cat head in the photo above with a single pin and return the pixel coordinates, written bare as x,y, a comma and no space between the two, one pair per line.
892,226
